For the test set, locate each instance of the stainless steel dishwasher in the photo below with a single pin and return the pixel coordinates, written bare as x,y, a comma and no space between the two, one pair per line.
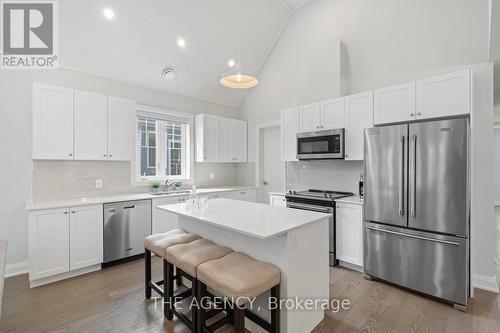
126,224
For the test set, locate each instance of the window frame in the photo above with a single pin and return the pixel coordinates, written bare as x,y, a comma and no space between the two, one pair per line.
161,164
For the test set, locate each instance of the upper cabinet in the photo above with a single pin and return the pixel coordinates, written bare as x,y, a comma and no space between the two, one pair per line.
52,122
394,104
289,130
358,115
220,139
310,117
121,129
325,115
444,95
91,122
79,125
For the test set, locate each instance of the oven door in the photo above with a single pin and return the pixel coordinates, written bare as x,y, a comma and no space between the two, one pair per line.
331,224
320,145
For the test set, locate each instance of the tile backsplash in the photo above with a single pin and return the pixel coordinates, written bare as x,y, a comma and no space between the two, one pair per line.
335,175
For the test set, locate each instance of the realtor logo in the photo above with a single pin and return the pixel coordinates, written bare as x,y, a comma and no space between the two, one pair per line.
29,34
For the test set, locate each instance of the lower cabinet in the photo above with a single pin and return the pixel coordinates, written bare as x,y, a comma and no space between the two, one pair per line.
245,195
164,221
349,233
65,239
277,200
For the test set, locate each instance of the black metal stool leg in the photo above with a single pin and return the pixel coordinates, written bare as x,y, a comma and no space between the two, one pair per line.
275,313
201,291
147,270
239,319
168,288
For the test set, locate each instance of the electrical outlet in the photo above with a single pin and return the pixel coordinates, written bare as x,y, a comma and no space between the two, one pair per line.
212,176
99,183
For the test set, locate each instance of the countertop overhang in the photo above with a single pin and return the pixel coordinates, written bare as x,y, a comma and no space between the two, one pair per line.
253,219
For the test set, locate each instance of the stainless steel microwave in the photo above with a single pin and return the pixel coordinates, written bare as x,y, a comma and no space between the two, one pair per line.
321,145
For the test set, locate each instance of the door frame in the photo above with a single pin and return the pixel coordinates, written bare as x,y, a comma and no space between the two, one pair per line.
259,131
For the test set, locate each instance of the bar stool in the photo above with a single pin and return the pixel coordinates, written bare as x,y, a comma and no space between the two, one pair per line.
239,277
158,244
186,258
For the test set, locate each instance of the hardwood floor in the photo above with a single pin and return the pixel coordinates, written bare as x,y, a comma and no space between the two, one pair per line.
112,300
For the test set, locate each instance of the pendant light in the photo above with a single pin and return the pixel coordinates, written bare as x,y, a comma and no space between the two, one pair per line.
237,78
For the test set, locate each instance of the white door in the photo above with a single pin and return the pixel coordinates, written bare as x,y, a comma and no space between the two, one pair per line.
272,169
445,95
349,233
85,236
289,130
310,117
394,104
239,140
91,126
52,122
164,221
333,113
49,243
359,115
225,140
210,138
121,129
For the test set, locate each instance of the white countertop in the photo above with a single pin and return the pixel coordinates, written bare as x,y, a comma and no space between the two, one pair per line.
95,200
254,219
354,199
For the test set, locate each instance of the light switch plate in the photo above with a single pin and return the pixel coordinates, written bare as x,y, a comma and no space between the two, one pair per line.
212,176
99,183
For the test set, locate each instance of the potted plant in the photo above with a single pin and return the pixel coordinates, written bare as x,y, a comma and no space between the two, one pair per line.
156,186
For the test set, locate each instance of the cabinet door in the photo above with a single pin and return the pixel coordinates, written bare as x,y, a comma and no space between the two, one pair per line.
309,117
349,233
49,243
225,140
85,236
239,140
289,130
52,122
164,221
445,95
359,115
91,126
333,113
394,104
207,138
121,129
277,200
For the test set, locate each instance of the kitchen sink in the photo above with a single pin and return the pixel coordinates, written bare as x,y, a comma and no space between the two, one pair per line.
172,192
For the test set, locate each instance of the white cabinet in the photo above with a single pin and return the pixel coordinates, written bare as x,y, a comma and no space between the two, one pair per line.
245,195
64,240
309,117
289,130
220,139
394,104
49,243
445,95
121,129
164,221
52,122
359,115
85,236
333,113
349,222
90,126
277,200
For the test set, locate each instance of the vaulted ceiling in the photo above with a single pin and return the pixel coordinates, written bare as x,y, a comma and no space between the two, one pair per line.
141,40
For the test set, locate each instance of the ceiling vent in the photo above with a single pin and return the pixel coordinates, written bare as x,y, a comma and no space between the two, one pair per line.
168,74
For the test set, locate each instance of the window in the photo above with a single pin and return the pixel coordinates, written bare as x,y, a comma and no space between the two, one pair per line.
162,148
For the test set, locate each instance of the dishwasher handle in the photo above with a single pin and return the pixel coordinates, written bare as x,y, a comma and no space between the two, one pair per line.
129,207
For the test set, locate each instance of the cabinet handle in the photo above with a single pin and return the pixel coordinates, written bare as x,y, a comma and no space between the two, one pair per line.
412,114
110,155
65,213
72,212
419,114
70,154
105,155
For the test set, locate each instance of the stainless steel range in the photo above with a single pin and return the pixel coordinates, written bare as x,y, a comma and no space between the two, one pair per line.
318,201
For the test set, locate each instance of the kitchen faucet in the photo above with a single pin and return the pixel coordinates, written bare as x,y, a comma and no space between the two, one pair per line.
166,186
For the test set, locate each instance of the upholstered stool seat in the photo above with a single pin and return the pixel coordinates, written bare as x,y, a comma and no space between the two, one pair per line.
159,243
239,278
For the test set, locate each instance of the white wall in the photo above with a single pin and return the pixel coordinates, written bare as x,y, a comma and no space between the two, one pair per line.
16,144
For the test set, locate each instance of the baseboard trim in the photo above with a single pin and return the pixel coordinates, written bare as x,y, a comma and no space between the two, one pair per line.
351,266
17,268
486,282
63,276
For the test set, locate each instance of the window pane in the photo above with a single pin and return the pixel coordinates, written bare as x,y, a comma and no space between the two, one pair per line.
175,152
151,139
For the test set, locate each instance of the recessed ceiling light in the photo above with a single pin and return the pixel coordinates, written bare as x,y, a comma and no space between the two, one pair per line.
231,63
181,42
108,13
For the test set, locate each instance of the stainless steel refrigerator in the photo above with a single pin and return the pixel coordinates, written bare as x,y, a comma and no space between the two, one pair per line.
416,207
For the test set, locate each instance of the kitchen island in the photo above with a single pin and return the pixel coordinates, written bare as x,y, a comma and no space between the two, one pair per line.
294,240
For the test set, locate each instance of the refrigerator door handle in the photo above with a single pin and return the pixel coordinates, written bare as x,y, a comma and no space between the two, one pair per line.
402,175
413,210
414,236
